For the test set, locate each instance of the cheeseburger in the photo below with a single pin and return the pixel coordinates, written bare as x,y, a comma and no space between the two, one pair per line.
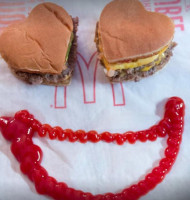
132,42
42,48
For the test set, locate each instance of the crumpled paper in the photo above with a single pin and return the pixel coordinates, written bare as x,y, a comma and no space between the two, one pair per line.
91,102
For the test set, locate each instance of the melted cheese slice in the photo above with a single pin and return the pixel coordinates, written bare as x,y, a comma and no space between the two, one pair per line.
140,62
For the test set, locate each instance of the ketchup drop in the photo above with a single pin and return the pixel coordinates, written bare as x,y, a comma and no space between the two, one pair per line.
20,129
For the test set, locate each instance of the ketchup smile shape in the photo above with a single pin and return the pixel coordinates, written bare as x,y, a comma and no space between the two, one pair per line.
19,130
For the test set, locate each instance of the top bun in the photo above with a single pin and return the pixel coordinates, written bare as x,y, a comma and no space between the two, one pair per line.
128,31
38,44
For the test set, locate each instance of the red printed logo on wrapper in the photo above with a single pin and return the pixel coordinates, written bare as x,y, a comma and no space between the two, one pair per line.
60,98
173,9
187,5
88,72
13,11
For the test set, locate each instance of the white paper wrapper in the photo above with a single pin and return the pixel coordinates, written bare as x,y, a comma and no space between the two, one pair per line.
91,102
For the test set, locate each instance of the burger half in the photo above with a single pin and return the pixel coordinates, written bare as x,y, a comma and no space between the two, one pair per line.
132,42
42,48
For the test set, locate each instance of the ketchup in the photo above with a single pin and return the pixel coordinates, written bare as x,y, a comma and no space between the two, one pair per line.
20,129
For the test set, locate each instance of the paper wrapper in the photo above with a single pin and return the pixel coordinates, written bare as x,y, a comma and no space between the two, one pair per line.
91,102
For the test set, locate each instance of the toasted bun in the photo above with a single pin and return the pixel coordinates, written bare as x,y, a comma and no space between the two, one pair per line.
128,31
38,44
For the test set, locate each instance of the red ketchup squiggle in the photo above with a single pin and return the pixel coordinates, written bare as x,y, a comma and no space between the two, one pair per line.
20,129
